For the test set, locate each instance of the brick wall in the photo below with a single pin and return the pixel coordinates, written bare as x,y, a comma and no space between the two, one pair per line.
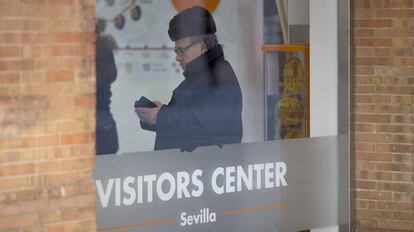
384,125
47,115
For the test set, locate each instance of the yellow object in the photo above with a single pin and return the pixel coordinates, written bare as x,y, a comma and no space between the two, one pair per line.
290,111
210,5
293,133
294,75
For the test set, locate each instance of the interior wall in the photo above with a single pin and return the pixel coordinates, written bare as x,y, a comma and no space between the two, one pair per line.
249,69
323,68
323,73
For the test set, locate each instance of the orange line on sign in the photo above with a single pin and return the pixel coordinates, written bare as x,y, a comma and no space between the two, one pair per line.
147,223
261,208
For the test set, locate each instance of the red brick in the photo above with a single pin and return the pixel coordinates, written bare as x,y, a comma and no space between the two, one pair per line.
373,118
402,119
403,61
373,4
385,52
396,225
9,77
369,137
366,223
396,90
396,167
392,72
77,138
367,147
401,99
394,13
374,42
407,139
73,226
33,1
63,2
403,197
9,52
17,169
18,25
88,100
365,13
365,33
21,220
379,61
365,204
374,23
17,65
366,80
78,214
365,99
366,156
364,70
380,147
393,33
402,4
403,177
366,165
402,187
369,185
402,158
366,108
362,127
378,214
388,205
385,186
394,109
364,52
402,42
60,75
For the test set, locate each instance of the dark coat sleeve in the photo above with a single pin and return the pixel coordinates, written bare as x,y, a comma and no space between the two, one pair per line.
146,126
208,110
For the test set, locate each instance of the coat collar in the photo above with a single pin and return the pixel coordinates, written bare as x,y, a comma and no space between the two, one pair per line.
202,62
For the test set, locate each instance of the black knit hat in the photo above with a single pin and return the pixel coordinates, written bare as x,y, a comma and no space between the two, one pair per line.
190,22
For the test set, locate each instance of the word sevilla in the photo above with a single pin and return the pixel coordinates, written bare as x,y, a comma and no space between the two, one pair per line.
166,186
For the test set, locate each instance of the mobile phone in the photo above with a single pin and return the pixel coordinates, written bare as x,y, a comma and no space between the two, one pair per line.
144,102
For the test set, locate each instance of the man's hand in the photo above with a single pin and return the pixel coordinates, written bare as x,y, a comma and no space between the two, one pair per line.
148,115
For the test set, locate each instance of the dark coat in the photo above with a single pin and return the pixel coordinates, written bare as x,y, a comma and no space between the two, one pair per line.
205,109
106,132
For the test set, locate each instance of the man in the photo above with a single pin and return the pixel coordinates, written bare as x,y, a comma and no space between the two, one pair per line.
206,107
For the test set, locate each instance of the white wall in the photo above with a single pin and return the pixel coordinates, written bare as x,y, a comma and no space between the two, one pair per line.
298,12
247,60
327,229
323,73
323,68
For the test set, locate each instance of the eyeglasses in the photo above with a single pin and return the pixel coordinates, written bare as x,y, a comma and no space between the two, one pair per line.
180,51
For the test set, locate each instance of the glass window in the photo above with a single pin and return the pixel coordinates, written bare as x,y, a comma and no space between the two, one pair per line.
222,117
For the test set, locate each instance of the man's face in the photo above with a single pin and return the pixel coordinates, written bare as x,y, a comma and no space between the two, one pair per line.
187,50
